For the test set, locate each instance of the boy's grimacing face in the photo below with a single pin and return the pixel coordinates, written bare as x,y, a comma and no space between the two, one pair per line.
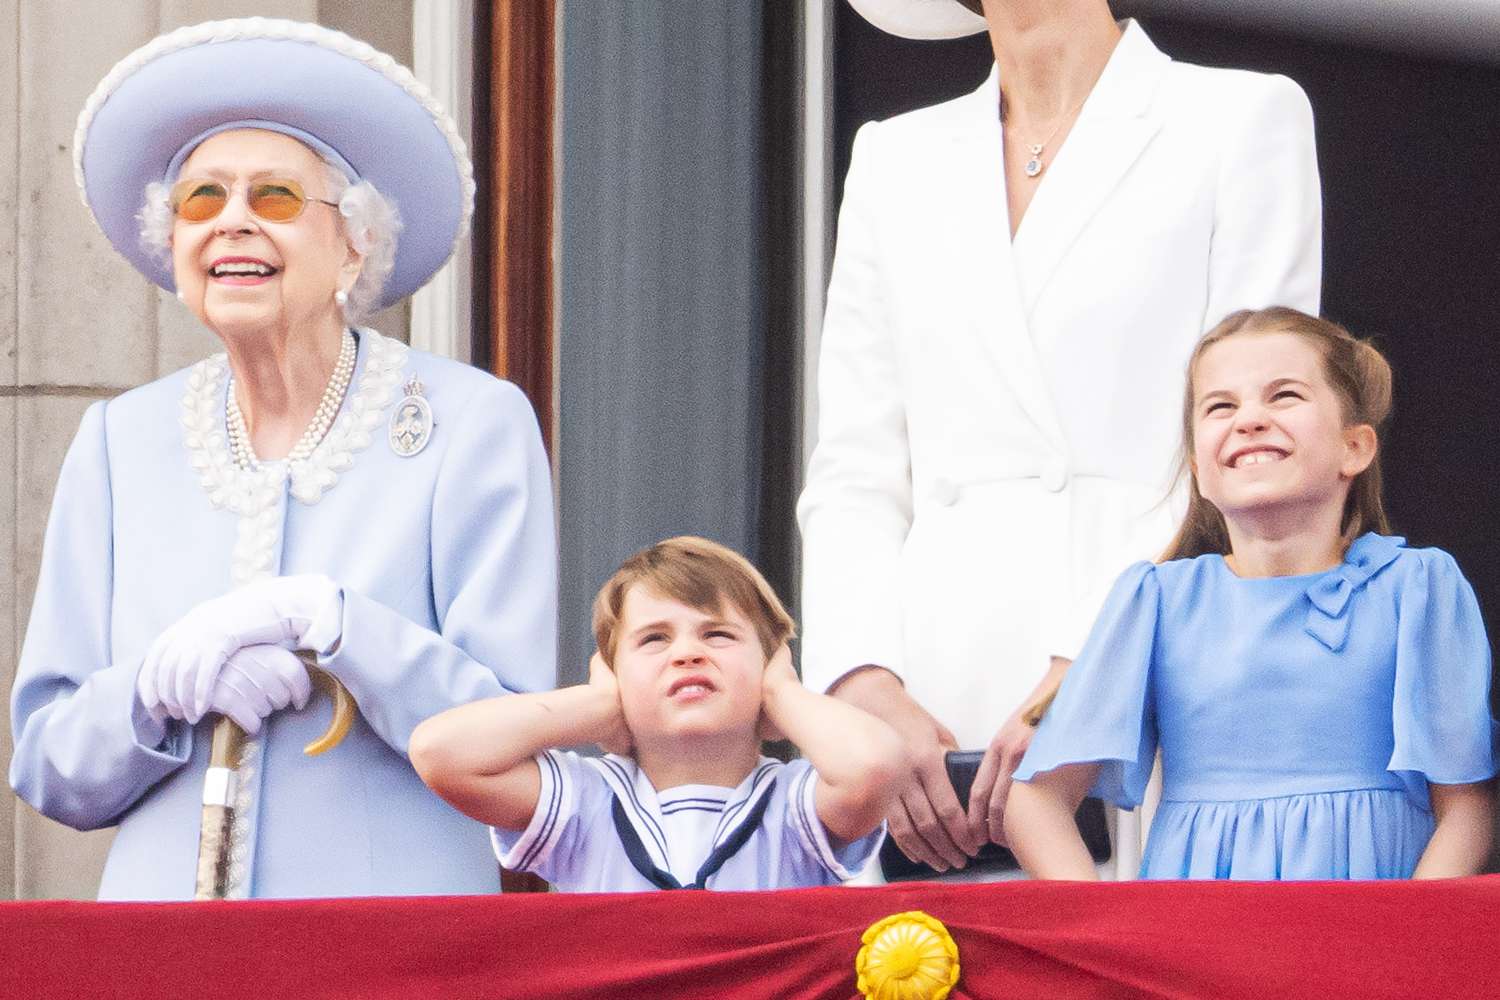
686,673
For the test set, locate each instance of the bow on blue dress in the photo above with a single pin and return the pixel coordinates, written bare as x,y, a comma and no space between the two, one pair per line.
1328,616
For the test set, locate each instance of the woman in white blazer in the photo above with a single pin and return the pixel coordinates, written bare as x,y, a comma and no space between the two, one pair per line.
1013,299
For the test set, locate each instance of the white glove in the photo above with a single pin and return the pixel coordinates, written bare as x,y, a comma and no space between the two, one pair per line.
182,666
259,680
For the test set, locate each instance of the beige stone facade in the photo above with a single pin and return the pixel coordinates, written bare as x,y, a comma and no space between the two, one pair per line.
77,323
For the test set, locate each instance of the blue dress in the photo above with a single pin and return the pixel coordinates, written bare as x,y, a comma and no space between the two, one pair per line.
1299,718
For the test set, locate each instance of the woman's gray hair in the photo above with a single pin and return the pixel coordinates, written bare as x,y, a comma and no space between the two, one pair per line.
369,219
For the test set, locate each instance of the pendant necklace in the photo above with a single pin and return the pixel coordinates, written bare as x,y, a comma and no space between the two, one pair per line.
1035,166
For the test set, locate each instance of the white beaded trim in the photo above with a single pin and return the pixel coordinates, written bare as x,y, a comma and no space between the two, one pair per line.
354,429
254,494
237,29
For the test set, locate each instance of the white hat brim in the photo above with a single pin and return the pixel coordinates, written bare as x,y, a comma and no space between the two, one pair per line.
927,20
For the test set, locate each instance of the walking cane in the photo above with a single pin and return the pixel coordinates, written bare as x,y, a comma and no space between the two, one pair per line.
220,783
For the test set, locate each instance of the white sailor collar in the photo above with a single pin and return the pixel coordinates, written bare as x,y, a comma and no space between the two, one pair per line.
642,805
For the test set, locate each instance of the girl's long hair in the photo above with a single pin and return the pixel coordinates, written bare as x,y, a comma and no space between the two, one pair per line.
1358,373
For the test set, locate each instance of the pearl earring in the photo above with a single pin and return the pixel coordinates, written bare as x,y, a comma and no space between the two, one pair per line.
181,296
341,297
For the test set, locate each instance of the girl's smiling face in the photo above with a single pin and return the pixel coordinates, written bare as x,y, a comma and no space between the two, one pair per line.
1269,432
686,673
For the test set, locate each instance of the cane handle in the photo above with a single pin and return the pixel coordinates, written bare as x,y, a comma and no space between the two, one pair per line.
343,711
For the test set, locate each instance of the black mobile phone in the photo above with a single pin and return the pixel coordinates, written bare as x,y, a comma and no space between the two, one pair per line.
962,766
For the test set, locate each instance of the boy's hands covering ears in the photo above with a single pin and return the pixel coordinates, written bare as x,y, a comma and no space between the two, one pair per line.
614,736
779,672
860,759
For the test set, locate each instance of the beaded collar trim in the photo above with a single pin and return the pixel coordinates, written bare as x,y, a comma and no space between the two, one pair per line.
254,493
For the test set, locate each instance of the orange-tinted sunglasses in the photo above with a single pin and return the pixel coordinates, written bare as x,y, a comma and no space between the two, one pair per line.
273,199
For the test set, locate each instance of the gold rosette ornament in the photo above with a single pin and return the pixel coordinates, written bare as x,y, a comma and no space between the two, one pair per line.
907,956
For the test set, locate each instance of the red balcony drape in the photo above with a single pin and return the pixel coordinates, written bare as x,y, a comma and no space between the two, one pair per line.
1015,940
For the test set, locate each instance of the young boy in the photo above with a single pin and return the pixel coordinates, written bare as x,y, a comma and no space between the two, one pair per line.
691,673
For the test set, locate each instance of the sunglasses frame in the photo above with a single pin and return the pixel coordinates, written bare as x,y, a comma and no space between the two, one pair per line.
180,195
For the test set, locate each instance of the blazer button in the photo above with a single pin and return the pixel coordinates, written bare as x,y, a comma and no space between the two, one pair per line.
1055,475
945,492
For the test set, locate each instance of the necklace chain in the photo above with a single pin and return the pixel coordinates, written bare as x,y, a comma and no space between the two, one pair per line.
317,429
1035,165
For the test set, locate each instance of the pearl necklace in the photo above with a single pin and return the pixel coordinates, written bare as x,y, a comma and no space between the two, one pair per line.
328,408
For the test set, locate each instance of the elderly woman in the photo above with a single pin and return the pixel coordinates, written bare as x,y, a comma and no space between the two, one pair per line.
316,487
1021,274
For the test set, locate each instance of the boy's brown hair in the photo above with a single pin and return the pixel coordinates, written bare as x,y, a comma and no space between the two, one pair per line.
1356,371
701,574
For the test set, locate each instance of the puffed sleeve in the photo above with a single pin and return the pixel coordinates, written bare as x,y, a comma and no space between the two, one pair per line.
1267,245
856,509
1105,712
84,749
494,582
1441,710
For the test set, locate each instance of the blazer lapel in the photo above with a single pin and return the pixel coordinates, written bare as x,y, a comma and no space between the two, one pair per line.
1112,130
979,221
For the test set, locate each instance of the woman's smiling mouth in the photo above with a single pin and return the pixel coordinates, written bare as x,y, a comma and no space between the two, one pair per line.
241,270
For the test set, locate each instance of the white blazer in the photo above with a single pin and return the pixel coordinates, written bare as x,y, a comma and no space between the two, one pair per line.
999,419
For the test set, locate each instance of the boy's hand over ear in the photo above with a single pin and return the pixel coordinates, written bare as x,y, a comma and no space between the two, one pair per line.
779,672
860,760
779,669
614,736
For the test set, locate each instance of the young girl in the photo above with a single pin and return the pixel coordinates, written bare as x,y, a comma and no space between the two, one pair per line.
1318,690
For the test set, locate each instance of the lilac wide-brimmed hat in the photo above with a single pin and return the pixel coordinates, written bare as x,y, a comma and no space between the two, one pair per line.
924,19
353,104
